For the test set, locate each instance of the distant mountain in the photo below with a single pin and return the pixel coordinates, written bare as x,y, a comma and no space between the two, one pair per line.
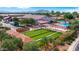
40,11
61,9
37,9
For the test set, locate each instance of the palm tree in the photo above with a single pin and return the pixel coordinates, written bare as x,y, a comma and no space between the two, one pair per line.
75,14
55,41
51,42
44,43
48,43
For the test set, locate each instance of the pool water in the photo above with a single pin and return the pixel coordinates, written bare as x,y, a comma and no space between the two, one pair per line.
63,23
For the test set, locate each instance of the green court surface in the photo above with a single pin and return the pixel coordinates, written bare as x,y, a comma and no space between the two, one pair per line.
41,33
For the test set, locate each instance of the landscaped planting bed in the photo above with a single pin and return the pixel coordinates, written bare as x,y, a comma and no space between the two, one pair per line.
41,33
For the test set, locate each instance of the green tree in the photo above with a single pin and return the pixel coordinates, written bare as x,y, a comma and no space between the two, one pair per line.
1,17
28,21
47,14
30,47
63,13
23,22
75,14
3,35
52,12
16,23
68,16
11,44
78,15
16,19
31,21
44,43
58,13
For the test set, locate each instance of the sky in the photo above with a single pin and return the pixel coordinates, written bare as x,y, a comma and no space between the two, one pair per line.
62,9
31,9
33,3
25,5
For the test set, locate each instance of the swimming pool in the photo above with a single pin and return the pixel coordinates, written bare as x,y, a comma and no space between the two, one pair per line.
64,23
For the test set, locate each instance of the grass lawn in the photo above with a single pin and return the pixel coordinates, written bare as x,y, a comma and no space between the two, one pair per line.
41,33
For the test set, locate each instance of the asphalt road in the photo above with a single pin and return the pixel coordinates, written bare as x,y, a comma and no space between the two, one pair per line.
77,47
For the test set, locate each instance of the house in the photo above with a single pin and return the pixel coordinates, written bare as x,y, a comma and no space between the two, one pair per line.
7,19
61,25
41,19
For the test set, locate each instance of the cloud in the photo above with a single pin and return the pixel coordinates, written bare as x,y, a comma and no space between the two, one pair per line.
37,3
13,3
73,10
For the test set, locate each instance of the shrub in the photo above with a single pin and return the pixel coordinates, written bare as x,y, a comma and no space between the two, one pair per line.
30,47
8,42
55,49
11,44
